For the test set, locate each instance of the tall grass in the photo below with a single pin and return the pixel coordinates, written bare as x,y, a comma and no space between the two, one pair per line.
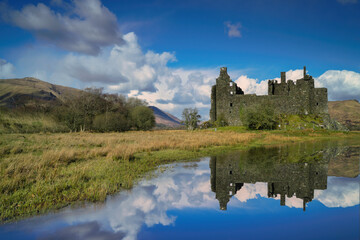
21,122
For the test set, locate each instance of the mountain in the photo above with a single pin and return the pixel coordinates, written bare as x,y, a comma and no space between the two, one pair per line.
164,119
346,112
29,91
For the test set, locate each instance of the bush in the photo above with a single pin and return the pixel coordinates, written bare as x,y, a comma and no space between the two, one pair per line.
142,118
221,121
205,125
111,121
259,117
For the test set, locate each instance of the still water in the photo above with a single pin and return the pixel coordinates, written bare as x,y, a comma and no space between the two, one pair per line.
302,191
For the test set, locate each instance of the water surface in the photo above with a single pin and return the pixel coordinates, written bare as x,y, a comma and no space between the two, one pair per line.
302,191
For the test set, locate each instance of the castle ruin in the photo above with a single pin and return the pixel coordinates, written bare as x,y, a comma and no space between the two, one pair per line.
284,179
287,97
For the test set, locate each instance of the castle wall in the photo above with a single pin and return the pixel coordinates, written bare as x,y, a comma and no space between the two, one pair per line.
320,101
302,97
231,106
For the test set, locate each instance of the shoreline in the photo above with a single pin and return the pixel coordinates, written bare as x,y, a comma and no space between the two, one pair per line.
49,171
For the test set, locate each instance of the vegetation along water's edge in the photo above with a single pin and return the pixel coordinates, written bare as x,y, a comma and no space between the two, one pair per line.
48,171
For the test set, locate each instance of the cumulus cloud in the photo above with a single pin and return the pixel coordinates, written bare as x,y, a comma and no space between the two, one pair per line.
251,191
251,85
341,85
86,28
6,69
347,1
260,87
341,192
233,30
123,68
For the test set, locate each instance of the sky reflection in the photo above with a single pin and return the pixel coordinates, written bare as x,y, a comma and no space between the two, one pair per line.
157,202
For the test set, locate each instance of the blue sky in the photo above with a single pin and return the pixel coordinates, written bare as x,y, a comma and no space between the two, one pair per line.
169,52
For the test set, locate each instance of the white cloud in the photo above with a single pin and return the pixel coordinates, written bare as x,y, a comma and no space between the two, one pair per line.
122,69
341,192
341,85
6,69
233,30
252,86
251,191
86,28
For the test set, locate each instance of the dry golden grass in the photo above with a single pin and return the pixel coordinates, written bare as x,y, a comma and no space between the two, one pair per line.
69,147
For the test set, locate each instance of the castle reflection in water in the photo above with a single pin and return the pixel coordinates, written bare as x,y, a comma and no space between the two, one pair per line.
288,171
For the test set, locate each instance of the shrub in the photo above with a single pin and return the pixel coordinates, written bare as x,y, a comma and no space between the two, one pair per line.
221,121
111,121
142,118
205,125
259,117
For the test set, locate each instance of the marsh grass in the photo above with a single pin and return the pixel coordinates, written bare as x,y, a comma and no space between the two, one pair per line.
34,122
42,172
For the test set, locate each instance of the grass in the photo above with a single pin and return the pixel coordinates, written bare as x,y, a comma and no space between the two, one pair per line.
48,171
21,122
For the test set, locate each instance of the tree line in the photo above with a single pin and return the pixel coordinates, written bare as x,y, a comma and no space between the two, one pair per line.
94,110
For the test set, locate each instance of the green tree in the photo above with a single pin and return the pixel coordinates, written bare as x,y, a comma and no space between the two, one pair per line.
142,118
259,117
135,102
191,118
111,121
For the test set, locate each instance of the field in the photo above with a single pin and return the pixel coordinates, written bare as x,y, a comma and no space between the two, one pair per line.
47,171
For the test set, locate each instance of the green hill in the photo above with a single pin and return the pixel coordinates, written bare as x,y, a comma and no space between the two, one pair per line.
346,112
30,92
25,105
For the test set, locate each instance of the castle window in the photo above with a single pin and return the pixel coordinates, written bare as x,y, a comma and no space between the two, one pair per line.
230,172
231,104
231,92
231,84
230,111
317,104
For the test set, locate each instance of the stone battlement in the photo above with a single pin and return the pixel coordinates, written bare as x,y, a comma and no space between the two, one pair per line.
289,97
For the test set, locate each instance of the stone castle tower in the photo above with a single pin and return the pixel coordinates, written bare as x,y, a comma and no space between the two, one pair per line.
299,97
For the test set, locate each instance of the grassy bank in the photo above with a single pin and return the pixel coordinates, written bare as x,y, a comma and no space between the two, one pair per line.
32,122
42,172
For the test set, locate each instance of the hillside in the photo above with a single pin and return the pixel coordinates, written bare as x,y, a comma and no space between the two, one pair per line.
346,112
164,119
30,91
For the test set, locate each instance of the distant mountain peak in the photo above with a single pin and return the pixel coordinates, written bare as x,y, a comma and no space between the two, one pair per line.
164,119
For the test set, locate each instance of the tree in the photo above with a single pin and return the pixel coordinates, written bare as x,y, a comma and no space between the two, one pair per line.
142,118
111,121
258,117
135,102
191,118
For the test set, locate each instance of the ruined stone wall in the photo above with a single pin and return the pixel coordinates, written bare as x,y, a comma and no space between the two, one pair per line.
228,100
320,101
